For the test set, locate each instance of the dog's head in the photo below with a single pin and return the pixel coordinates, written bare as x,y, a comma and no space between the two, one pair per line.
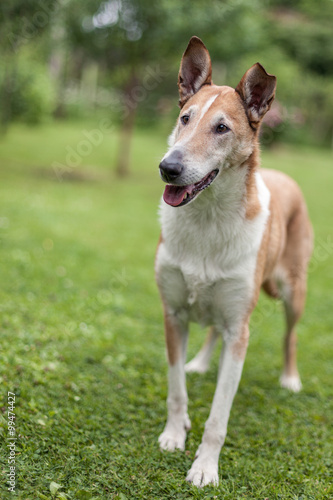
217,126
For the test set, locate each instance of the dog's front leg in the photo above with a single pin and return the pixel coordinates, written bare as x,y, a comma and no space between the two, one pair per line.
178,422
205,467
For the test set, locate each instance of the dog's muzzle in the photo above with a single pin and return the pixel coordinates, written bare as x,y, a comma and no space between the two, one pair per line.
171,167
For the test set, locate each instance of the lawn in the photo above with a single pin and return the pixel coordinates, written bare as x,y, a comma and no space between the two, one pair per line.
82,343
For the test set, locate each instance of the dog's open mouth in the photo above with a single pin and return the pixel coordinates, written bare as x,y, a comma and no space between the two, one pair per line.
177,196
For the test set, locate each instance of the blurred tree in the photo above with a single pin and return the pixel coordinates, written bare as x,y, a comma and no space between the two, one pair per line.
138,36
303,30
21,22
134,47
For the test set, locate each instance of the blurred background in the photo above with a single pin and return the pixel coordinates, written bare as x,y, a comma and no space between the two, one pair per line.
72,60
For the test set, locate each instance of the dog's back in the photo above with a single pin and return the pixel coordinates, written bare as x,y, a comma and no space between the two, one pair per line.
290,225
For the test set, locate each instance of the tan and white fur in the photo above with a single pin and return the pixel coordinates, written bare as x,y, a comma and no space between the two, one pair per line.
244,229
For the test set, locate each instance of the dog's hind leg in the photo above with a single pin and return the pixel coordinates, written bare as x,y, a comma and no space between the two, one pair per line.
293,299
200,363
178,422
293,291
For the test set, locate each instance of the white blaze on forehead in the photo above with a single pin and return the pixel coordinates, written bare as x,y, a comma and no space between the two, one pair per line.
203,111
206,107
172,137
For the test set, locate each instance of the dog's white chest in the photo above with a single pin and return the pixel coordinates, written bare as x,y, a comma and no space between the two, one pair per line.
204,301
200,300
209,294
206,263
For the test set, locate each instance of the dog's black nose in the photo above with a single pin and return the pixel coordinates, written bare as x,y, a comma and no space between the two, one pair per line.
171,167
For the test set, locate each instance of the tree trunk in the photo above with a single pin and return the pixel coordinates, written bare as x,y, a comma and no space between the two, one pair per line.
126,129
58,67
9,82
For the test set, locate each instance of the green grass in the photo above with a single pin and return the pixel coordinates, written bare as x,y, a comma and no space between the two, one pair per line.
82,343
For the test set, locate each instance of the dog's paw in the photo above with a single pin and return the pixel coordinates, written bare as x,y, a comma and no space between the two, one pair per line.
203,472
174,435
172,439
196,366
291,382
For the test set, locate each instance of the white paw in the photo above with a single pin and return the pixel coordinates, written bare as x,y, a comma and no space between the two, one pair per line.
291,382
174,435
203,472
172,439
196,366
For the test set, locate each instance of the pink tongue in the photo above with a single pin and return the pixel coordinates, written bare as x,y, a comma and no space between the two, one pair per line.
174,195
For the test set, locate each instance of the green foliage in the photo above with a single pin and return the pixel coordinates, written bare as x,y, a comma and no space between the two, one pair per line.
82,342
23,21
27,91
103,52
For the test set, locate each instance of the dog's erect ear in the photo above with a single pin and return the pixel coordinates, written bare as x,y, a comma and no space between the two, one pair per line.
257,89
195,70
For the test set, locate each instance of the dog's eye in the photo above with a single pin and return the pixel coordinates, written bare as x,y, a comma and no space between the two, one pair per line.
184,119
221,128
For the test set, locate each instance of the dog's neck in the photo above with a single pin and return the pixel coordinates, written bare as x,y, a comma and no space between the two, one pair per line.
233,194
224,224
222,213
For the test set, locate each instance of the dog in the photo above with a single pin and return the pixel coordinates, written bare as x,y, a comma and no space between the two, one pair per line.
228,229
